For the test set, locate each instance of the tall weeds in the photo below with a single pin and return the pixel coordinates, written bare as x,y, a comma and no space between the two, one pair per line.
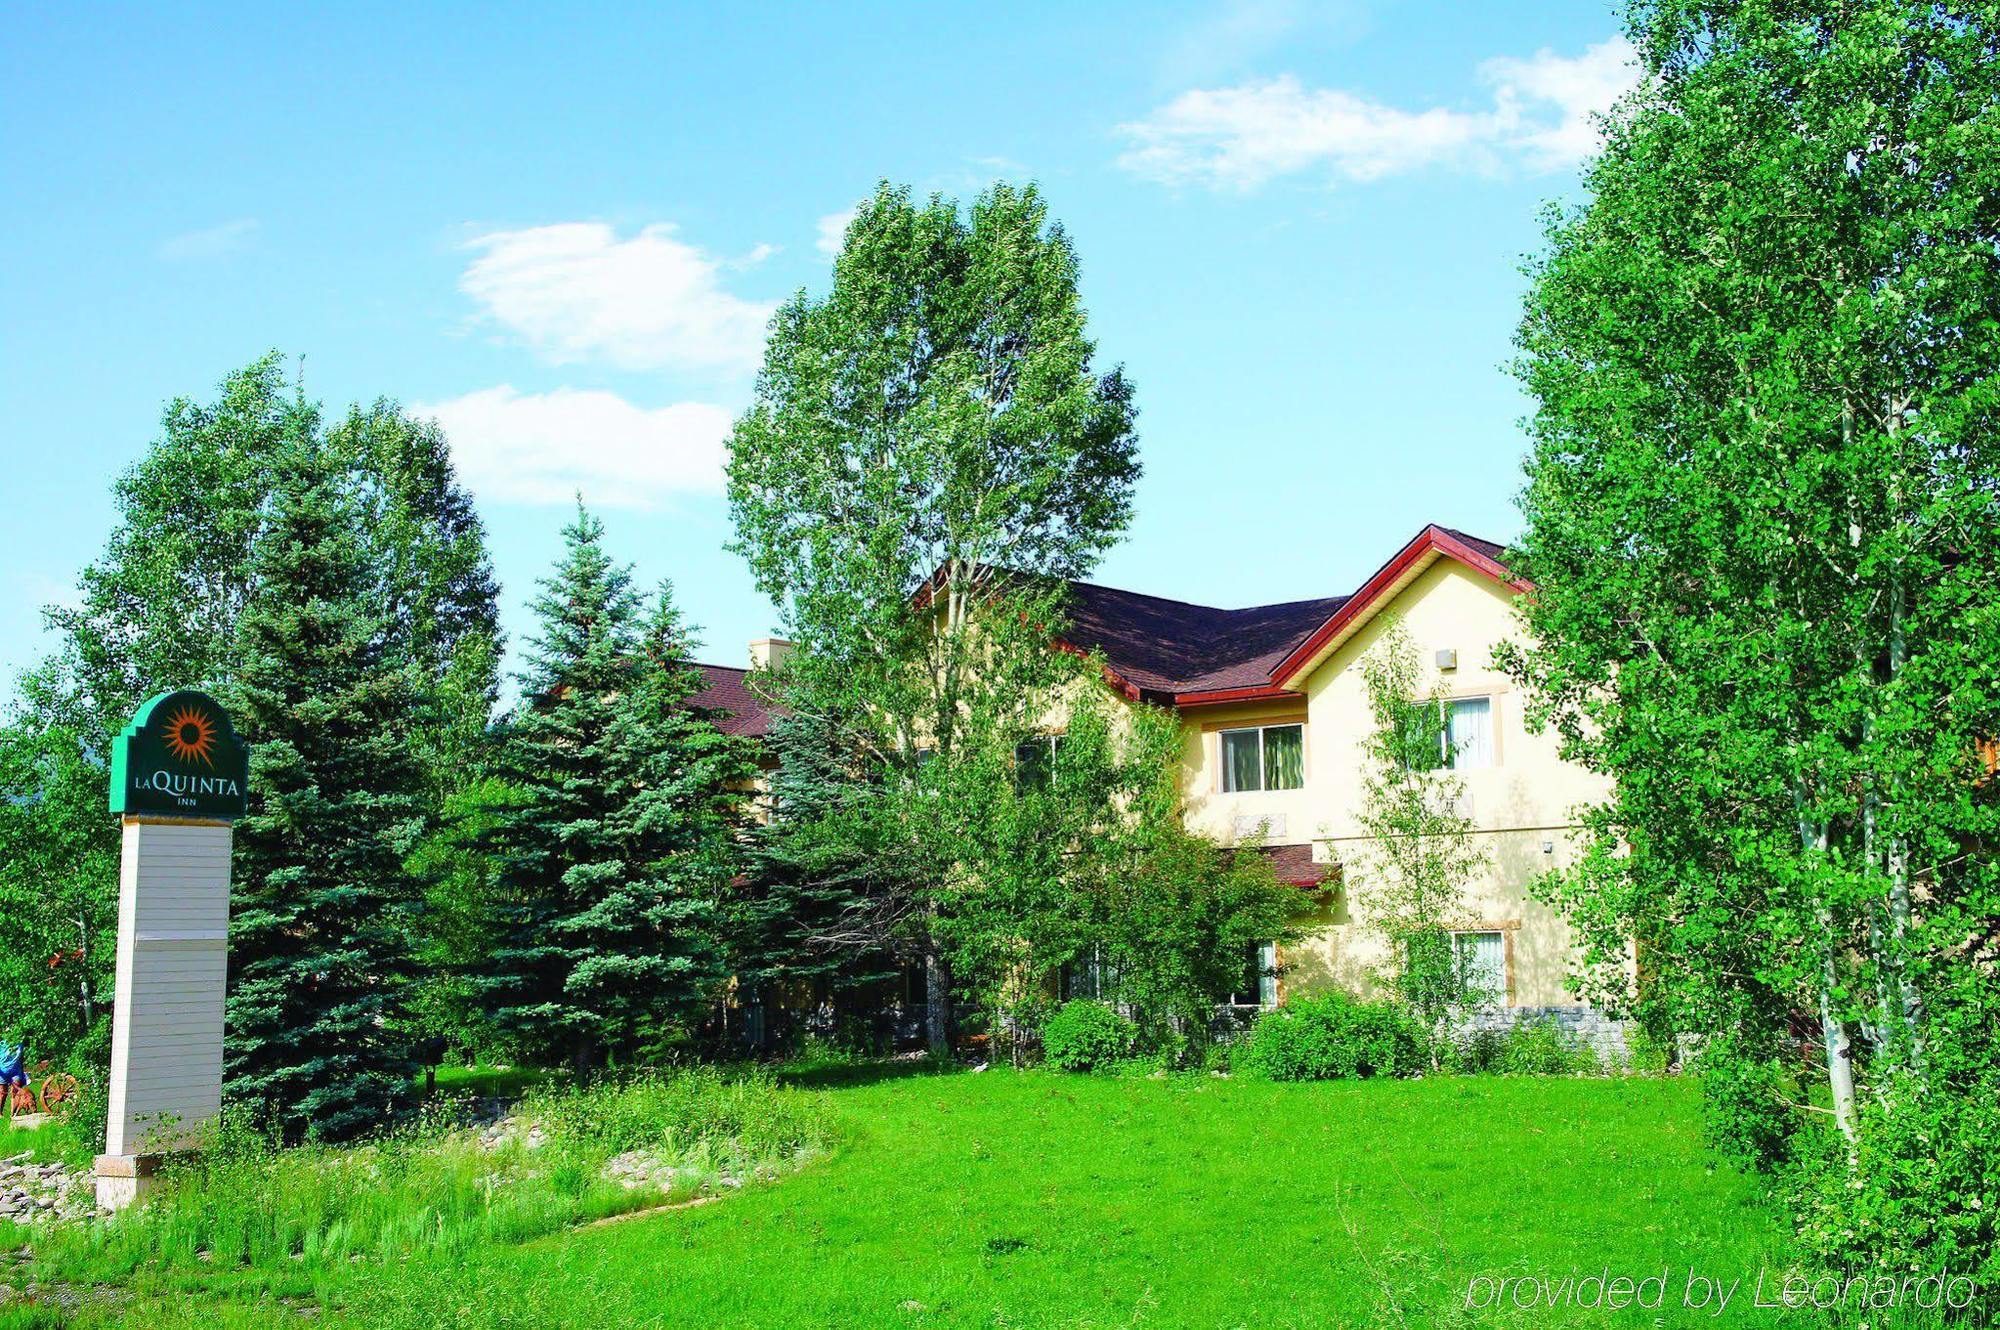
436,1187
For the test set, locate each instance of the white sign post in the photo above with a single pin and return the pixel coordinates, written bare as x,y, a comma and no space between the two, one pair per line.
178,778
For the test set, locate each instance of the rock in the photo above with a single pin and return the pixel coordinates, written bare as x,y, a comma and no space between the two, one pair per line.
7,1294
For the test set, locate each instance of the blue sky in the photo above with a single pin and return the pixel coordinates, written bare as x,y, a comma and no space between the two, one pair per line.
559,228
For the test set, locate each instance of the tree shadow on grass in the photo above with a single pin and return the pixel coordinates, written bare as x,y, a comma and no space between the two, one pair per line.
849,1075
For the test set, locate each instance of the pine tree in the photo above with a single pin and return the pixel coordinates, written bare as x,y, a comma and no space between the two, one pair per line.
817,906
622,837
319,940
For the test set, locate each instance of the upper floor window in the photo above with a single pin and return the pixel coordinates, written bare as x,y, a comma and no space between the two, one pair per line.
1270,757
1461,729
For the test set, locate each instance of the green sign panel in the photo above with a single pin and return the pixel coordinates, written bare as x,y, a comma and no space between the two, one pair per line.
180,758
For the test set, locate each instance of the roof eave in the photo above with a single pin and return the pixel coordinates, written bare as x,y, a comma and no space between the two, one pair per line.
1429,545
1218,697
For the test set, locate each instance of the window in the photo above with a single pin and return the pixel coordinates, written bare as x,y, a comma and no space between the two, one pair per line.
1460,729
1468,732
1034,761
1090,975
1259,985
1482,959
1271,757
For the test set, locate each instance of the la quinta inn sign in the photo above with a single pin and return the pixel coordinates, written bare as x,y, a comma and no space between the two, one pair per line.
179,778
179,757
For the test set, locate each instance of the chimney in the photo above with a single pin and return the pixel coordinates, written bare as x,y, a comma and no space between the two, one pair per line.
768,653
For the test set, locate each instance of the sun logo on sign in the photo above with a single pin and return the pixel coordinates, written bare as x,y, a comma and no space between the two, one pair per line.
191,736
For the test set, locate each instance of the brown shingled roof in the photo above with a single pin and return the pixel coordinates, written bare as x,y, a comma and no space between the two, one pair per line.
1162,648
1171,646
737,710
1294,864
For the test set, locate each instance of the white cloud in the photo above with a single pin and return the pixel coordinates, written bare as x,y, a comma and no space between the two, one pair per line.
1578,89
209,243
1240,137
833,230
545,447
576,290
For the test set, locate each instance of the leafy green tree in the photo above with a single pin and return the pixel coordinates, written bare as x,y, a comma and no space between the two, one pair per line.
159,609
1761,508
929,447
438,585
320,945
620,837
58,924
1421,852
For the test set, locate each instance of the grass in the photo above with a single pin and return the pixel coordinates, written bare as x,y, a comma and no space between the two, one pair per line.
489,1080
244,1215
1041,1200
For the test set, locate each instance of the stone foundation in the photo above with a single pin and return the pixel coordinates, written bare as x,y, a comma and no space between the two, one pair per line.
1604,1035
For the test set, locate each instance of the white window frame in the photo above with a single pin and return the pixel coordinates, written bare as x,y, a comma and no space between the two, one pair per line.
1267,981
1263,767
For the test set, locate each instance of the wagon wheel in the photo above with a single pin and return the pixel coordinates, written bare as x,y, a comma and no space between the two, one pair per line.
59,1094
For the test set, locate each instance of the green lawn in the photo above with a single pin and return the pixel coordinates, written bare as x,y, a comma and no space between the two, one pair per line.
1027,1200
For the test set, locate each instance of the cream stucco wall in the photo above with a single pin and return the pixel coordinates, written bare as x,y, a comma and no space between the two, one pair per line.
1522,803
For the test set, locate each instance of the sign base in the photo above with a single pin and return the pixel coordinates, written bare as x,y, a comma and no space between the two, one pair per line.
125,1179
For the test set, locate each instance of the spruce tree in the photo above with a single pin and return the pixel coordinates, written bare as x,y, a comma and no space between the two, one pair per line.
621,836
319,938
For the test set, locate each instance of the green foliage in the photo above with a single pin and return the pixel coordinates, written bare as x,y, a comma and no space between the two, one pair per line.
1333,1037
58,918
1927,1172
1536,1047
617,835
320,943
929,447
1760,507
435,1190
1421,853
815,874
1087,1036
458,878
1175,913
160,608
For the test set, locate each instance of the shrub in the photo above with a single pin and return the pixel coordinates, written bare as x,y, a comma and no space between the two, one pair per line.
1536,1047
1087,1036
1646,1052
1331,1036
1918,1194
1544,1048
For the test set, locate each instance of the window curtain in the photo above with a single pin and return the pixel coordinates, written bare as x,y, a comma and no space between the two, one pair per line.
1483,957
1284,757
1241,768
1471,732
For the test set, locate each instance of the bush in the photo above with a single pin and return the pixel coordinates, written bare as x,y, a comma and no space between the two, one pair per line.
1087,1036
1544,1048
1919,1194
1539,1047
1331,1036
